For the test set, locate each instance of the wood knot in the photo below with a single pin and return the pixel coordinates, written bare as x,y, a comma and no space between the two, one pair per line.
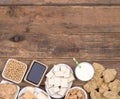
17,38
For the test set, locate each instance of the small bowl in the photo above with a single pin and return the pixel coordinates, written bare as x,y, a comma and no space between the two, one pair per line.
5,69
79,88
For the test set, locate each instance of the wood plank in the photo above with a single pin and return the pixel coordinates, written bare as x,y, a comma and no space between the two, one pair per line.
86,46
53,19
59,2
51,62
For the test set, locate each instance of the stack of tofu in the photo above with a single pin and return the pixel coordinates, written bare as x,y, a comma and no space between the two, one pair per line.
59,79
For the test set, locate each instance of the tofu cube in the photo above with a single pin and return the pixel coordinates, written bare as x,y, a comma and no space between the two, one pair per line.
50,82
51,90
56,89
71,78
56,68
62,91
57,82
59,74
49,74
64,82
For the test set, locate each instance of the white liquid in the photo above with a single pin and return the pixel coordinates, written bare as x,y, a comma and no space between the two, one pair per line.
85,73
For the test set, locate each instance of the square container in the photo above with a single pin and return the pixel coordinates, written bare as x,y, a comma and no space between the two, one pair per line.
36,73
14,70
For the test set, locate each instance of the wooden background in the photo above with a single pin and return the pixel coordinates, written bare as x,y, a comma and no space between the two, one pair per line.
55,31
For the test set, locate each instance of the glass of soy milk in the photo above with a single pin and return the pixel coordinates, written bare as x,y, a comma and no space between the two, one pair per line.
84,71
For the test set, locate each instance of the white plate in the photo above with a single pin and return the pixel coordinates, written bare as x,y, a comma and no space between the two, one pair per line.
69,86
7,82
23,90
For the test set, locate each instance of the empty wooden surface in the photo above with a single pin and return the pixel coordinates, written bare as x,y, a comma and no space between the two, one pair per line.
55,31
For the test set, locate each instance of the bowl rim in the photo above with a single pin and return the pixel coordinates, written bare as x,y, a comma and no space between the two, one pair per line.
80,88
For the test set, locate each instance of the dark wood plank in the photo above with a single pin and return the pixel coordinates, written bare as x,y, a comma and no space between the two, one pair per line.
86,46
59,2
70,19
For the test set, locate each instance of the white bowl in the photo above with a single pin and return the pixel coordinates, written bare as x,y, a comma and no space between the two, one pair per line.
56,96
7,82
86,96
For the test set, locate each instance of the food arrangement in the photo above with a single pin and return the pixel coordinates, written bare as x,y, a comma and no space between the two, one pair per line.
101,83
59,80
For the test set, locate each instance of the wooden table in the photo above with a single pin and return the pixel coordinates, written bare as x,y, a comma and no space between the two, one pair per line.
55,31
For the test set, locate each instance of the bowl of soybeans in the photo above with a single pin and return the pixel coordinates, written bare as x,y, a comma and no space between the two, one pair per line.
14,70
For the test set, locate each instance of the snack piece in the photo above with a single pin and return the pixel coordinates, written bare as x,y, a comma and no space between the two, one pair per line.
75,93
95,95
103,88
110,95
14,70
109,75
98,69
115,86
91,85
10,89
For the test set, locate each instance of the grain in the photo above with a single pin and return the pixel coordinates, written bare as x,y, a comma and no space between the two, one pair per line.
14,70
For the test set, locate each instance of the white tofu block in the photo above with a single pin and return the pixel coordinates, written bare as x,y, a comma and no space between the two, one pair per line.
51,90
48,85
56,68
62,91
49,74
56,89
71,78
59,74
50,82
63,68
64,82
57,82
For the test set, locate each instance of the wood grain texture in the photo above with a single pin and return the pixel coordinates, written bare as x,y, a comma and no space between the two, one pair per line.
86,46
56,34
70,19
59,2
